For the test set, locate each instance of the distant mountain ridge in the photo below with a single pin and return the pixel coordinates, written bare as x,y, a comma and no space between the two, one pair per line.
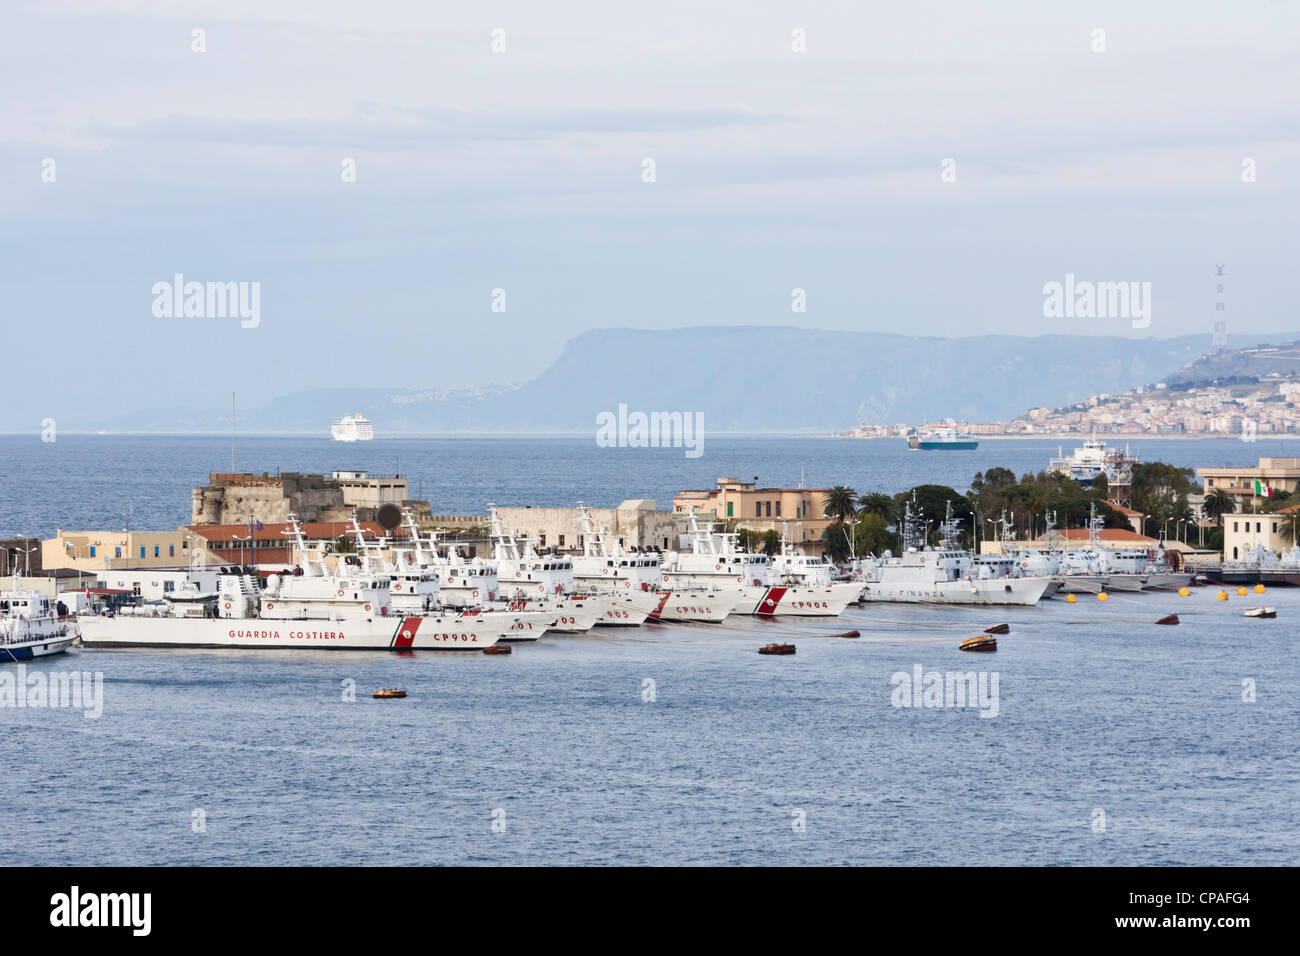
1256,361
743,378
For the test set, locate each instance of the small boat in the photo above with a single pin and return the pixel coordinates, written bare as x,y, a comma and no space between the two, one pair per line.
984,642
848,634
1168,619
998,629
30,626
389,693
1261,612
497,649
776,649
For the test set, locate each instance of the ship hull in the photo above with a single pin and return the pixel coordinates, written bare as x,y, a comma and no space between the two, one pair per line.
1252,576
385,634
624,609
29,651
1168,580
1021,592
947,445
797,601
704,607
513,626
1083,583
1125,582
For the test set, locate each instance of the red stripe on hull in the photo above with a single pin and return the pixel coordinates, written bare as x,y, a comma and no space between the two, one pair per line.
770,600
662,601
405,635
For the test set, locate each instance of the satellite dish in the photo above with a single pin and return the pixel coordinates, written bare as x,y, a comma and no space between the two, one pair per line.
389,517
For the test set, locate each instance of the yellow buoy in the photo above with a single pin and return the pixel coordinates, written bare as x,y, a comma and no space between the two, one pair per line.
1183,592
1241,592
1103,596
1223,595
1259,589
1070,599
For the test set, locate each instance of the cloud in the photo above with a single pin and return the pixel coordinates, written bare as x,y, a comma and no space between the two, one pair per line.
373,127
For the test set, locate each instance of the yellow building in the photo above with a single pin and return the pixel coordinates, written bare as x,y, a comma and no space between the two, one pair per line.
95,551
1251,487
801,510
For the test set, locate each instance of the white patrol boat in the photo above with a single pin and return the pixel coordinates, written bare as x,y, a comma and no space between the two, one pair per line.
30,626
543,582
312,607
715,562
946,575
412,589
615,576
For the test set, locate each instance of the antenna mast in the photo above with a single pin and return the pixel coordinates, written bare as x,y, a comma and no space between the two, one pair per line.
1220,323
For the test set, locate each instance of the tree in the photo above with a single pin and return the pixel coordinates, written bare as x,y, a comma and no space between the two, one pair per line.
931,504
992,480
771,542
839,503
1217,504
877,503
836,539
872,535
344,544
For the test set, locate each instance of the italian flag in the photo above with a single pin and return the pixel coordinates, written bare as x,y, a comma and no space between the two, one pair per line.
1263,490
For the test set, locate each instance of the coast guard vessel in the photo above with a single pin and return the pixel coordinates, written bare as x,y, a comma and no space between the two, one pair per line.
30,626
312,607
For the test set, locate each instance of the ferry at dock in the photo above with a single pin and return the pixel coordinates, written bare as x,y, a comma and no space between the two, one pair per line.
1094,459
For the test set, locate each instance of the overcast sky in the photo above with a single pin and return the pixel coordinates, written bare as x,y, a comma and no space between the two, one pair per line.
523,170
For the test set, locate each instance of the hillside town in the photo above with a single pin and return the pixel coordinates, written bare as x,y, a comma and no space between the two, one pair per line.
1263,406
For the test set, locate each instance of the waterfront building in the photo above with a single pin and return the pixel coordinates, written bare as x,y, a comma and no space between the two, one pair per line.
1275,531
801,510
235,498
636,523
1273,478
269,545
95,551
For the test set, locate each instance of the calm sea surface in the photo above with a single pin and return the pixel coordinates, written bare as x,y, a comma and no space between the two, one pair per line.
1115,740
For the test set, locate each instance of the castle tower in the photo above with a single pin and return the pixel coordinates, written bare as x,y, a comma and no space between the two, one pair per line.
1220,323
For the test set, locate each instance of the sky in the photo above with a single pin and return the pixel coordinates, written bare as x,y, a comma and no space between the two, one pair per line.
828,168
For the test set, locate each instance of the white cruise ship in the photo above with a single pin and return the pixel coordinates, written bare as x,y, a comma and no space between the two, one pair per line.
352,428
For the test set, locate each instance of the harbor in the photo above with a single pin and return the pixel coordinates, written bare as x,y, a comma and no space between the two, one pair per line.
680,744
640,720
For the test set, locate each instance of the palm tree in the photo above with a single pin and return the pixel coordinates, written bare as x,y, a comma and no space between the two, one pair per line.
1217,504
839,503
877,503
